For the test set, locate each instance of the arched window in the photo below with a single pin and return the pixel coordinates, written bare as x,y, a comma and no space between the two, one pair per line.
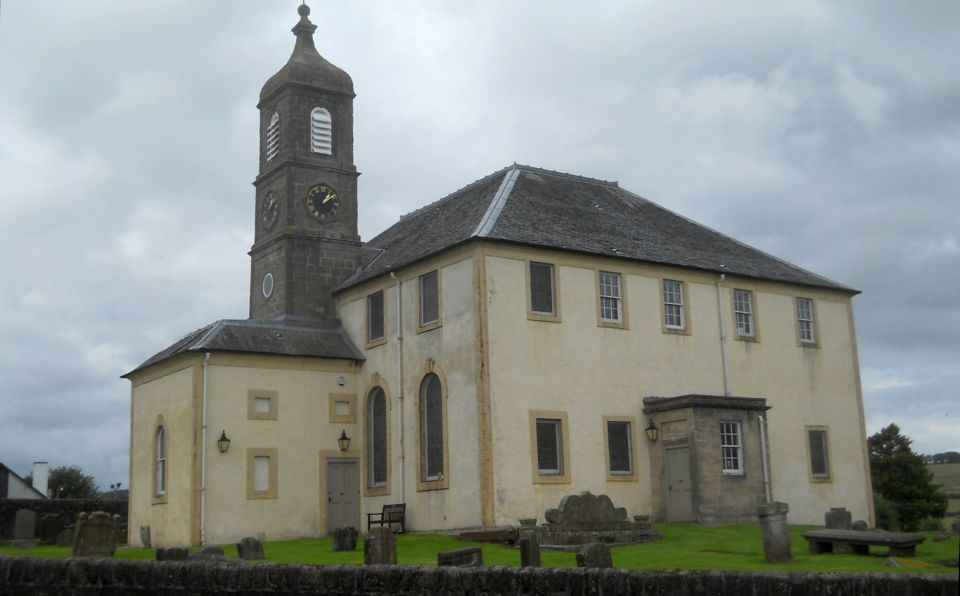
160,470
321,131
377,433
273,137
431,428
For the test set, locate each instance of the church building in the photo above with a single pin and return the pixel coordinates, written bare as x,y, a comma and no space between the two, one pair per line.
532,335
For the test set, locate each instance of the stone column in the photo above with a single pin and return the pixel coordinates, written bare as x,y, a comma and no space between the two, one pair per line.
776,533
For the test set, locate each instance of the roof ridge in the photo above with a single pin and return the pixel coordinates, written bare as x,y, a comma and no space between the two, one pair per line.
611,183
452,195
199,343
497,203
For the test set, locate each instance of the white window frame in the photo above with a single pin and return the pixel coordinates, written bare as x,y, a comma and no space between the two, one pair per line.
674,316
321,131
743,313
805,325
611,307
273,137
731,447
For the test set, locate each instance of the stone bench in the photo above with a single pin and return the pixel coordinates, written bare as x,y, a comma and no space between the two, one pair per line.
858,542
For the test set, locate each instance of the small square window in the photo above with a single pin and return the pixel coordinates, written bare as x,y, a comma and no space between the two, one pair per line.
262,473
342,407
262,404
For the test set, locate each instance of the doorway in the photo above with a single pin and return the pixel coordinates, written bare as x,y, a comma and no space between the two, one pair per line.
679,493
343,494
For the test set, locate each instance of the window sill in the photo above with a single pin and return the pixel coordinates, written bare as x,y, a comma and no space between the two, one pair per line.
548,318
823,480
746,338
808,344
428,485
377,491
612,324
675,330
159,499
631,477
429,327
376,342
551,478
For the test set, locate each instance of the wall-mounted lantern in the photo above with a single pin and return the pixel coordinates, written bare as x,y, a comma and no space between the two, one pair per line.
344,440
652,431
223,443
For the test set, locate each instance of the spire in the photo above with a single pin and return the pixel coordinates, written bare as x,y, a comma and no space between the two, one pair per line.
304,30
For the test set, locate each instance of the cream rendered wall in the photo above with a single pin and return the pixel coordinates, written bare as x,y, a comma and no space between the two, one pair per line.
301,431
452,347
589,371
165,391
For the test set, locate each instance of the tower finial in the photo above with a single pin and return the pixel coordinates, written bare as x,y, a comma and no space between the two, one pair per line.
304,30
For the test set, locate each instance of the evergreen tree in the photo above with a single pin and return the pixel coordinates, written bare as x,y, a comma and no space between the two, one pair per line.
900,477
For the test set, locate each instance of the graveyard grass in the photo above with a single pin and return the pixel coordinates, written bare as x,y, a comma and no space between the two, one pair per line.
684,546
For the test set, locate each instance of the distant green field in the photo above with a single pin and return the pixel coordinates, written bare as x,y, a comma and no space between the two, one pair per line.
949,476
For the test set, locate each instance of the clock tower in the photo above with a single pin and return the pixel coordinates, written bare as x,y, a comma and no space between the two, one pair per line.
306,239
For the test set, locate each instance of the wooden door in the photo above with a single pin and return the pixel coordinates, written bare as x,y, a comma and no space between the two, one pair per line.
679,494
343,494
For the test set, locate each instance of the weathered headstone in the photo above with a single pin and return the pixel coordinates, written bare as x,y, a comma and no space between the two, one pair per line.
588,518
596,554
470,556
25,529
380,547
212,554
175,553
65,538
250,549
96,535
50,526
344,538
838,518
776,533
529,550
860,525
145,536
120,531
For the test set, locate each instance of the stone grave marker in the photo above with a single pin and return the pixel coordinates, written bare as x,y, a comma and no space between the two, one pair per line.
529,550
860,525
50,527
470,556
96,535
211,554
65,537
838,518
776,533
25,529
344,538
587,518
380,547
250,549
595,554
175,553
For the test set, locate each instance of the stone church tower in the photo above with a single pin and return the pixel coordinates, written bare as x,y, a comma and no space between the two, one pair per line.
306,239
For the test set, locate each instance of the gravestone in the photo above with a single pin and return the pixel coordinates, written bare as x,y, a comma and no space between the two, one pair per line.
838,518
173,554
25,529
860,525
50,527
250,549
596,554
587,518
776,534
380,547
65,538
210,554
529,550
344,538
471,556
96,535
145,536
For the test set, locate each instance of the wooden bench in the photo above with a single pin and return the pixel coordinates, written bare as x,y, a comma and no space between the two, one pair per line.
390,514
858,542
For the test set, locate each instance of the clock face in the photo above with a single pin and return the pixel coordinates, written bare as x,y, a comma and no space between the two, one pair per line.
322,202
271,209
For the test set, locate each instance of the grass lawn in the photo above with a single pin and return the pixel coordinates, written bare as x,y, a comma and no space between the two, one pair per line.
684,546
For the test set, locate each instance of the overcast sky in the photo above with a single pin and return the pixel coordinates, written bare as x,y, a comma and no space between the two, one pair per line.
825,133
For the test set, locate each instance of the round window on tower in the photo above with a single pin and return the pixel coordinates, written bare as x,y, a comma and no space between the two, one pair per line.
268,285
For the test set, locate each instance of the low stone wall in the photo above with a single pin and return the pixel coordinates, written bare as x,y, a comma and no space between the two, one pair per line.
103,577
68,509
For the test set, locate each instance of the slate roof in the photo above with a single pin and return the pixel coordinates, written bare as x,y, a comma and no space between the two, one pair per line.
536,207
284,336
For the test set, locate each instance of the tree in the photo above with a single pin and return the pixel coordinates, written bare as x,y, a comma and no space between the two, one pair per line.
900,477
70,483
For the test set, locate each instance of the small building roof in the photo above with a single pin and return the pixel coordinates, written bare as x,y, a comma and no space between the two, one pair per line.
284,336
535,207
6,473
